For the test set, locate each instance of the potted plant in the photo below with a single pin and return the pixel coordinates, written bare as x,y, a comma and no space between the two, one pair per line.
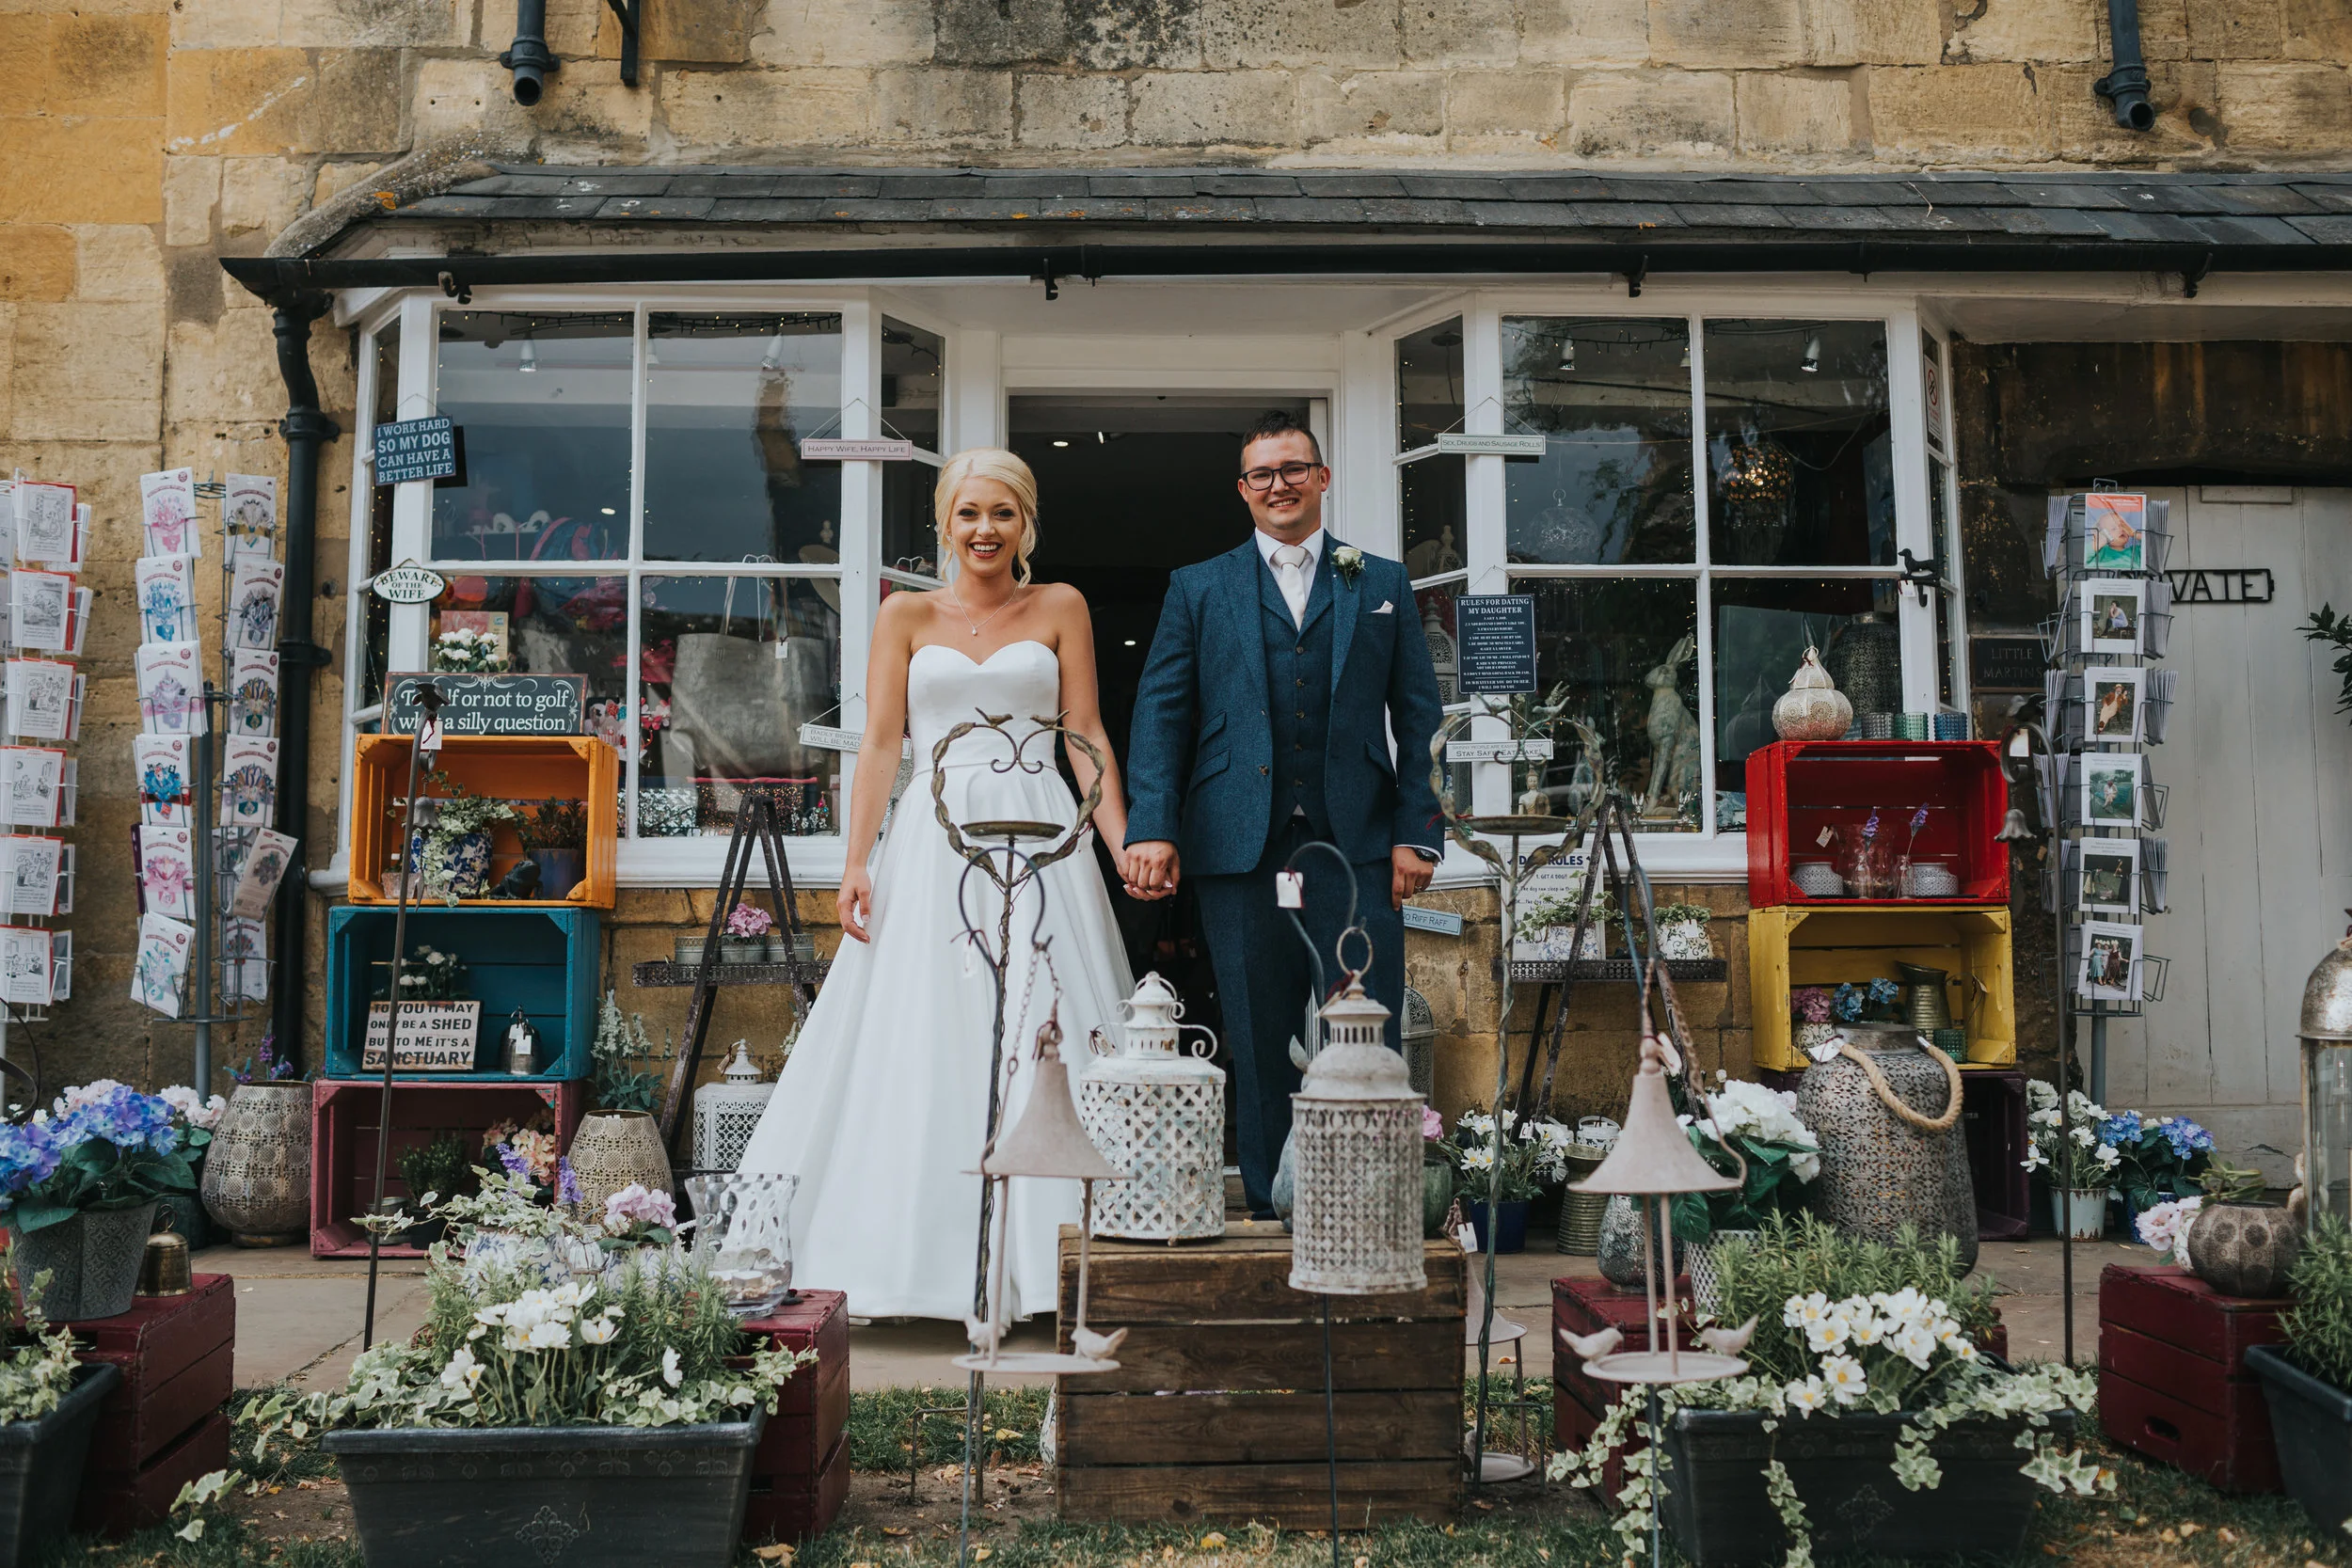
2307,1382
49,1407
1682,931
743,939
555,836
1471,1150
619,1042
434,1172
1546,927
1864,1381
1437,1172
257,1172
1810,1013
1782,1156
80,1186
468,653
194,1117
2158,1159
609,1418
2080,1163
2235,1242
450,856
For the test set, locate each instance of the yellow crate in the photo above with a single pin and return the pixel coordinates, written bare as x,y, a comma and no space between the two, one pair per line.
1790,945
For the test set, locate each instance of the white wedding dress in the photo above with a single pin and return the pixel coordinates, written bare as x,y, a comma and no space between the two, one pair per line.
881,1106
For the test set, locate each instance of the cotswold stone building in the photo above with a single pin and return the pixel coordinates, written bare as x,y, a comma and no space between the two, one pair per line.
1814,301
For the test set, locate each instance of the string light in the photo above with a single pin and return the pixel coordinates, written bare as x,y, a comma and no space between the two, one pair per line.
1812,362
531,358
1567,354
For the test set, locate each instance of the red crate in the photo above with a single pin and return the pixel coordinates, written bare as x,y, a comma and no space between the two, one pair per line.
2174,1382
1582,1306
1796,789
118,1502
801,1470
344,1114
177,1356
773,1513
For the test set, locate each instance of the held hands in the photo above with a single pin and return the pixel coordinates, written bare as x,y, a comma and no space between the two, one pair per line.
1408,875
1149,870
854,904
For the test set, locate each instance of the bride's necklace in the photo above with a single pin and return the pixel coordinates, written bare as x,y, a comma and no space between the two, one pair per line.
984,619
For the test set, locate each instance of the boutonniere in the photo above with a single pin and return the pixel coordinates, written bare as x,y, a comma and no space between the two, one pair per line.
1348,561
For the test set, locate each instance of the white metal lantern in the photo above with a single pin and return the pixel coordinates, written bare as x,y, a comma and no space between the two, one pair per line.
1356,1137
1158,1114
2326,1031
725,1113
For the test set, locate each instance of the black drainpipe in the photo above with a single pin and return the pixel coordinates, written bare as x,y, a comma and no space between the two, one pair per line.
2125,87
306,428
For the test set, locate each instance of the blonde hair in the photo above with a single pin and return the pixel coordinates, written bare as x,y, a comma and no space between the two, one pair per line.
1006,468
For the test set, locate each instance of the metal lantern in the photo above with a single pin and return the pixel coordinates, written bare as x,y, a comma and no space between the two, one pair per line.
1418,1036
2326,1031
1356,1131
522,1046
1157,1113
727,1112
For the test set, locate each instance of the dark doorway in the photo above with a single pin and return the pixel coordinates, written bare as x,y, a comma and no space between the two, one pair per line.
1130,488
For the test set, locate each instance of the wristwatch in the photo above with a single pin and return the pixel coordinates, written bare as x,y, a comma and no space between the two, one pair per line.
1429,855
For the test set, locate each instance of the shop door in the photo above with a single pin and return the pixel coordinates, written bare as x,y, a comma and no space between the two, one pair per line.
2259,822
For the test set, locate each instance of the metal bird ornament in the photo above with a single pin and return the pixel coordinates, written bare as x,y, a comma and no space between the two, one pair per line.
1097,1347
1592,1347
1728,1341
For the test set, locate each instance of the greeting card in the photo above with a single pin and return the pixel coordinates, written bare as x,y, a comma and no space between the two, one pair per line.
253,592
166,589
44,523
248,516
253,691
263,868
171,688
248,782
24,976
159,975
77,621
163,762
40,699
167,863
167,509
40,603
61,966
245,962
29,872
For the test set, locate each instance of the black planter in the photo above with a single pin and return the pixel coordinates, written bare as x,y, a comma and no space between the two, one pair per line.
1717,1511
580,1497
41,1465
2312,1421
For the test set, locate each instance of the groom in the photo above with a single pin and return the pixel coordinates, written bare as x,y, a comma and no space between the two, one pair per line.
1261,725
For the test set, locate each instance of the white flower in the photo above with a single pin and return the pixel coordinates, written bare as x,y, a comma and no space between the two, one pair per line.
1808,1396
1828,1334
462,1371
671,1372
1867,1329
1842,1375
1804,1311
1964,1349
548,1334
2084,1136
1915,1343
600,1331
1807,1166
1478,1159
2106,1154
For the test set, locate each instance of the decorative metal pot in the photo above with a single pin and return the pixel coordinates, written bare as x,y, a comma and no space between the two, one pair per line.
257,1172
92,1261
742,950
1157,1112
614,1148
687,952
2244,1249
1706,1281
1812,708
1865,661
1688,940
1620,1246
1437,1195
455,867
1892,1150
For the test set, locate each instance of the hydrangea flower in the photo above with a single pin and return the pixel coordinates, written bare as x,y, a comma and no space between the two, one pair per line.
634,1206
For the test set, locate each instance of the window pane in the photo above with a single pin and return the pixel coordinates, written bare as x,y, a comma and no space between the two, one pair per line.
1612,399
1626,648
541,406
376,614
1762,628
913,372
732,668
1939,521
1435,608
728,400
570,626
1798,468
1429,401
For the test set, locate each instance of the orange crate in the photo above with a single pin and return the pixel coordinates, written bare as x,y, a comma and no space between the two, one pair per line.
498,767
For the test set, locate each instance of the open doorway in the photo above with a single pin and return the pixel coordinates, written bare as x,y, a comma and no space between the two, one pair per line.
1132,487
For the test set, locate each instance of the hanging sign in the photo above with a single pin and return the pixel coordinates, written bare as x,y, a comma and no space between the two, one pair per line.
408,450
408,584
434,1036
2222,585
1497,644
1534,750
2015,664
1435,921
836,449
1492,446
510,704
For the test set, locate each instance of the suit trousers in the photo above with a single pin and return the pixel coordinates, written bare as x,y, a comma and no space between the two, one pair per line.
1265,982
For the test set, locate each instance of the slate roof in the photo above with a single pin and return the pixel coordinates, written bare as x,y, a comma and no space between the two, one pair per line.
2232,210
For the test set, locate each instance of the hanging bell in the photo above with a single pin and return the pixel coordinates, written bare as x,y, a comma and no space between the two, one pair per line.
522,1046
163,1270
1048,1140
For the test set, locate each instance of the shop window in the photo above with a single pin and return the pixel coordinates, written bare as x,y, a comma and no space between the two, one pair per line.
914,383
542,399
1798,465
1625,649
728,400
374,614
550,625
1762,628
1612,399
1429,404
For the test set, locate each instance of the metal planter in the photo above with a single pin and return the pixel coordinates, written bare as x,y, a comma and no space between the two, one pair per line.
559,1496
41,1465
92,1261
2312,1420
1717,1511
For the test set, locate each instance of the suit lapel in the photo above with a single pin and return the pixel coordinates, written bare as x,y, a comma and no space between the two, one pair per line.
1243,568
1344,603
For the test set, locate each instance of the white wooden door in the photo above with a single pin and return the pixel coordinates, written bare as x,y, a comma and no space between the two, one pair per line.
2259,823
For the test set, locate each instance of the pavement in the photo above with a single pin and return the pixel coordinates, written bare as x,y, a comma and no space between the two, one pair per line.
300,1317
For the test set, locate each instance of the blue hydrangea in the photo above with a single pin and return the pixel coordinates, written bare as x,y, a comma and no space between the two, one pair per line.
1847,1004
2121,1129
2187,1140
28,1156
1883,992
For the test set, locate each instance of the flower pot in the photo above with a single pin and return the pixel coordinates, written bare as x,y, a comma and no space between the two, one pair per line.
1687,940
1510,1235
1619,1248
1879,1171
560,871
1707,1284
41,1461
1437,1196
455,867
777,950
614,1148
583,1496
257,1172
2081,1213
2243,1249
1717,1512
2312,1420
92,1261
687,952
742,950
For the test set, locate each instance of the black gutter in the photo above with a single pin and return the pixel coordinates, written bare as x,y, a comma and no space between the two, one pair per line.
306,428
458,274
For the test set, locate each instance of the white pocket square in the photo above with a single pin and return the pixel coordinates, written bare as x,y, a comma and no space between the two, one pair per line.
1387,606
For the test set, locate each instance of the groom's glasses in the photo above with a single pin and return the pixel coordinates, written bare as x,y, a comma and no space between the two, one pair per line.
1292,475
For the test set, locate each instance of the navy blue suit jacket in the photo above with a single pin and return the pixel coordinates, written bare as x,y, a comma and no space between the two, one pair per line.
1201,754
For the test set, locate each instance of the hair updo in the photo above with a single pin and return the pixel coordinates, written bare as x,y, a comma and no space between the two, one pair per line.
1006,469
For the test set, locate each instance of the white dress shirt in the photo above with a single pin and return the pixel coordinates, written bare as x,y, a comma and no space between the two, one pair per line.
1295,594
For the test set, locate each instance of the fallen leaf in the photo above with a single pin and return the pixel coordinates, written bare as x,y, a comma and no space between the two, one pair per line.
2227,1536
779,1554
1482,1503
1213,1540
894,1529
1544,1552
979,1554
2169,1536
1363,1562
2190,1528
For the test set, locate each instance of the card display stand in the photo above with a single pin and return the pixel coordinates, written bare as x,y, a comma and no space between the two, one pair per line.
499,767
1240,1433
1827,944
543,961
1799,788
178,1359
801,1470
2174,1382
344,1132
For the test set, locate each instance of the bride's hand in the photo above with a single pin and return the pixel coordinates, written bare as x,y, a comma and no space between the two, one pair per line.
856,901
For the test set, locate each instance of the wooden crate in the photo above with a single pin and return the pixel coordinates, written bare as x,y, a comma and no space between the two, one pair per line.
121,1502
2174,1382
1796,789
177,1356
801,1470
1825,944
344,1135
543,961
1234,1357
520,767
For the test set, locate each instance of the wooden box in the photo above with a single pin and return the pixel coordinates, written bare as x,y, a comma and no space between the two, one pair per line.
2174,1382
518,767
121,1502
1237,1357
543,961
801,1470
345,1134
1582,1306
1828,943
1796,789
177,1356
1993,1111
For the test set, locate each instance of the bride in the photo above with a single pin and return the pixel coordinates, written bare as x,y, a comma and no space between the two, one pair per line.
881,1105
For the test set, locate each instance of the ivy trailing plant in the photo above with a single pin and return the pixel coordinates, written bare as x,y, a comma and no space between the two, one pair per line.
1844,1326
2335,630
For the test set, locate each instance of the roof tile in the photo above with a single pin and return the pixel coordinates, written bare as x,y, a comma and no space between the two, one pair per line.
1318,208
1200,209
1731,214
2327,227
1140,185
669,208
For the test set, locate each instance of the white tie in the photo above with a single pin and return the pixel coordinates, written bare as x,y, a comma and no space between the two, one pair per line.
1290,571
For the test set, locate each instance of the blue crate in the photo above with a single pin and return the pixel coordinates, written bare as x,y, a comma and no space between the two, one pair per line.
544,960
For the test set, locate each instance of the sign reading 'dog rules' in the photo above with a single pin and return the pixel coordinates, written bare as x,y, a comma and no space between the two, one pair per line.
434,1036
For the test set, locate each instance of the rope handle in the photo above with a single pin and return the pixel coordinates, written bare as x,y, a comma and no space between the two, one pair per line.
1894,1102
